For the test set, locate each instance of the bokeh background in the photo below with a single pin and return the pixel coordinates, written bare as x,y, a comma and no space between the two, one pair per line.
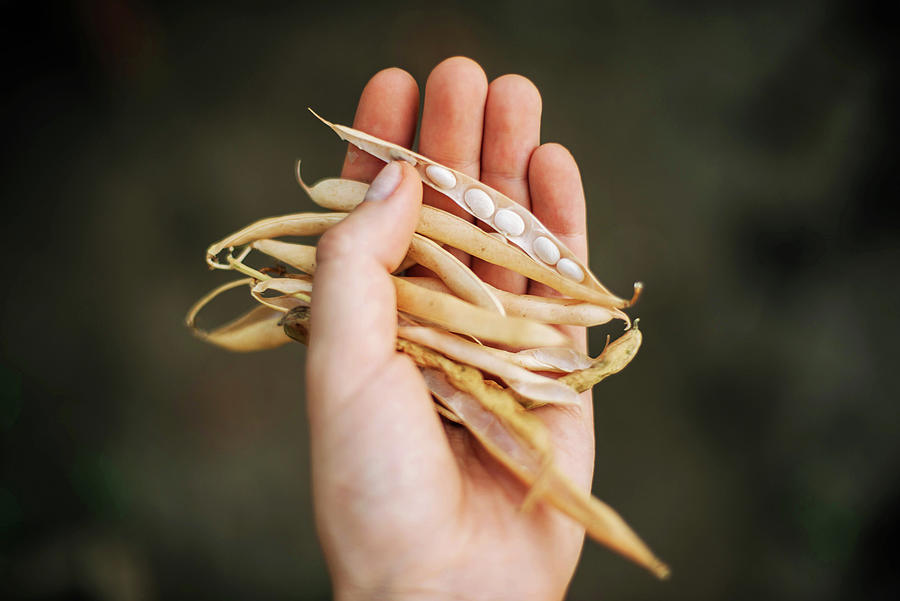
740,158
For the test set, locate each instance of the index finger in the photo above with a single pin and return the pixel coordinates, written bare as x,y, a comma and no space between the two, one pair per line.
389,109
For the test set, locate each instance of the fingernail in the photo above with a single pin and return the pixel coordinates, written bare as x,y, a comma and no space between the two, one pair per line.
386,182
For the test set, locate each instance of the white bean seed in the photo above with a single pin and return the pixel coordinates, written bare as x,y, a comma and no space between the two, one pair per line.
546,250
442,178
480,203
570,269
509,222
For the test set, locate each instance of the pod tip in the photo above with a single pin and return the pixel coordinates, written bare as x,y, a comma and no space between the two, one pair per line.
300,177
319,117
660,570
638,289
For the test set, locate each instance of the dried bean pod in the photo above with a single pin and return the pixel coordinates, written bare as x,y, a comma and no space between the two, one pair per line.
256,330
558,311
499,211
454,273
614,358
496,429
299,224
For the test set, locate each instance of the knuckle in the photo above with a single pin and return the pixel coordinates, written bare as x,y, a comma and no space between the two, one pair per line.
336,244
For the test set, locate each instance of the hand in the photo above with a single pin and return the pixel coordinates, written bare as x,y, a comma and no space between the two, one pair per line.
408,507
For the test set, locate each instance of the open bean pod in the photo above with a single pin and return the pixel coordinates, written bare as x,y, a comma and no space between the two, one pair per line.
503,214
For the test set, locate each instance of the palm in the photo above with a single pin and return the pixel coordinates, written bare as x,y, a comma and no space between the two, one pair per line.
448,517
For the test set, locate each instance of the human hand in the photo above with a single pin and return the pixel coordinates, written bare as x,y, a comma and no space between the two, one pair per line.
406,506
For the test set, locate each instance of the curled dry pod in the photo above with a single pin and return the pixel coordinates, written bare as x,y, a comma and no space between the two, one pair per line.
256,330
441,309
611,361
529,385
502,213
602,523
446,228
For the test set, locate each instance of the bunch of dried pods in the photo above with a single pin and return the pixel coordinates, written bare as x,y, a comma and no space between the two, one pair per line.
446,323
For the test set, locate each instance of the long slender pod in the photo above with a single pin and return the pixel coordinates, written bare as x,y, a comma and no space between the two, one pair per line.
502,213
446,228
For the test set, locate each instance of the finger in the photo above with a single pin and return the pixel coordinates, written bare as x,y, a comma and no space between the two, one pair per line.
388,109
452,119
557,200
369,409
354,294
512,130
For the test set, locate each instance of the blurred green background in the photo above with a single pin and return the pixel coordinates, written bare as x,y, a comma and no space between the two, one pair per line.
739,158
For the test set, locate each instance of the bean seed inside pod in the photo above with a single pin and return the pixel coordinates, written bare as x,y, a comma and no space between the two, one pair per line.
546,250
570,269
442,178
509,222
479,202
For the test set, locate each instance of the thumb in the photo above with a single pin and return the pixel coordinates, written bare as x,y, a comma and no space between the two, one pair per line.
381,465
382,225
353,319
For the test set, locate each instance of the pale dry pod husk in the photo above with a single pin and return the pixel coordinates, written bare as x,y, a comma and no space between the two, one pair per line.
457,328
500,212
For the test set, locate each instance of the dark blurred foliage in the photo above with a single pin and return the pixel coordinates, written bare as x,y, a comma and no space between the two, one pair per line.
740,158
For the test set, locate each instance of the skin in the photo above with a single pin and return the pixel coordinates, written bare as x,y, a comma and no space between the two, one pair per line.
408,506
